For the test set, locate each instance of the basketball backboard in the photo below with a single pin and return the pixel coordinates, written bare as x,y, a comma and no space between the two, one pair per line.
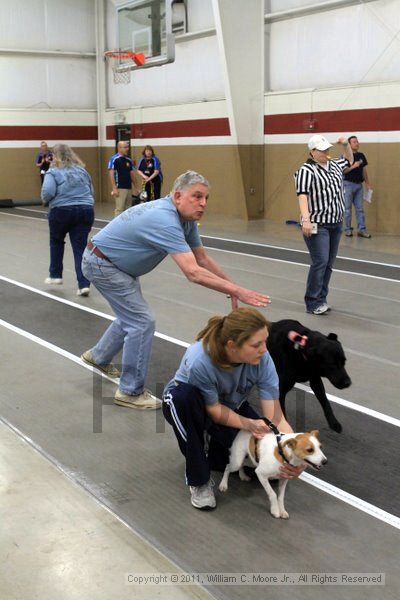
146,26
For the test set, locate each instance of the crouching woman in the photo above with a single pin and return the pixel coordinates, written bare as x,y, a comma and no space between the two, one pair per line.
210,393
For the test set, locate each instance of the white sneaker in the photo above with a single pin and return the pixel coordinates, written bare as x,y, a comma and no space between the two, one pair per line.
53,281
320,310
143,401
202,496
83,292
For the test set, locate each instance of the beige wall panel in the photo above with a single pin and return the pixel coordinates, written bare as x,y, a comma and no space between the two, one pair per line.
252,165
281,161
383,215
19,177
219,164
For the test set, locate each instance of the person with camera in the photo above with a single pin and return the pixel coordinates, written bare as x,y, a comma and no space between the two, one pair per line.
354,178
43,160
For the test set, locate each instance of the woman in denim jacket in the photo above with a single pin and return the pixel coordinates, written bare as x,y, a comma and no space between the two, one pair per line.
68,191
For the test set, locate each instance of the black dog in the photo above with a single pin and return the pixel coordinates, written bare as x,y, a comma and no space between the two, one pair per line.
321,356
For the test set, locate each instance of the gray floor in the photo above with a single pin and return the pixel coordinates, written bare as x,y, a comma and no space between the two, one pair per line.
134,466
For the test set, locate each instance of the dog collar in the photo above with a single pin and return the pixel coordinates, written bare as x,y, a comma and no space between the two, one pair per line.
278,435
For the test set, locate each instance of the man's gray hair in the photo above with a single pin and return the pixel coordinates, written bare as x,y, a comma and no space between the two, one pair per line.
188,179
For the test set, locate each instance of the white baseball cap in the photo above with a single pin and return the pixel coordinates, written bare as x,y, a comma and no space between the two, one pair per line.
318,142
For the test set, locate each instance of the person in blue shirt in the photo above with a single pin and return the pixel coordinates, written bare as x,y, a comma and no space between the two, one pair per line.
121,170
210,392
68,191
130,246
43,160
150,170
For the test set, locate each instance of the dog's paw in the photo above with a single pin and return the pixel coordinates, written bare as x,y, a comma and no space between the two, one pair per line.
284,514
223,487
243,476
275,513
336,426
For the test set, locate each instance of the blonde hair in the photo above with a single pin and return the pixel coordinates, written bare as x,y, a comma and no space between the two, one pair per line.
64,156
238,326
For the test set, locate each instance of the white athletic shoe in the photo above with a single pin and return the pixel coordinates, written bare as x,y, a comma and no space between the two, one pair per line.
53,281
83,292
202,496
320,310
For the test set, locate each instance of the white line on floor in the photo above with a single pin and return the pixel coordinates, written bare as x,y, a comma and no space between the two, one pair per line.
366,507
357,407
212,237
292,262
267,257
370,262
85,485
326,487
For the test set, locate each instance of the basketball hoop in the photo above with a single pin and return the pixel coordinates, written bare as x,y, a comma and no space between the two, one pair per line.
122,73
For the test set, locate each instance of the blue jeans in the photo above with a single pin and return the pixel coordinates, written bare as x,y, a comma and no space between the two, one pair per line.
353,194
323,247
133,329
77,220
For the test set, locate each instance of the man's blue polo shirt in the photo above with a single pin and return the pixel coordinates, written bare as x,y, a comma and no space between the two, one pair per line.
122,166
141,237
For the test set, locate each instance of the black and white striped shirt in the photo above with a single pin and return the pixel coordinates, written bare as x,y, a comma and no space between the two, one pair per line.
324,188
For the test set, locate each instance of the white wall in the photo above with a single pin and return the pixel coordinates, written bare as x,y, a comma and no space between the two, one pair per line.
200,15
47,25
350,46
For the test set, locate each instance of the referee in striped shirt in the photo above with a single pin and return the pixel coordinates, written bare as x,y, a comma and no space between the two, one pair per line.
319,187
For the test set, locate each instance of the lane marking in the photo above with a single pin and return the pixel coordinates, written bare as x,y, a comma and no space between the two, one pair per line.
291,262
49,346
360,260
354,501
322,485
258,244
370,262
353,406
93,491
347,403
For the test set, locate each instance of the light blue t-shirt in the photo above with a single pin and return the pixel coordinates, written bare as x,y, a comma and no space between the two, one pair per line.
141,237
67,186
230,388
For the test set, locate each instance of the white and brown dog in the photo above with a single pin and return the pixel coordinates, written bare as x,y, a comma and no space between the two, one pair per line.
265,454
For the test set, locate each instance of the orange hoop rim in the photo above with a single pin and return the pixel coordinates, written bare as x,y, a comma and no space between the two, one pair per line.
137,57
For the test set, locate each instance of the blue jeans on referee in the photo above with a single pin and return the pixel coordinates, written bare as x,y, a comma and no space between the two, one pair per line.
354,194
77,220
184,409
323,247
133,329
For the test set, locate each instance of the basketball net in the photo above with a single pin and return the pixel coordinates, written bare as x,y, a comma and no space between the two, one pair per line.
123,75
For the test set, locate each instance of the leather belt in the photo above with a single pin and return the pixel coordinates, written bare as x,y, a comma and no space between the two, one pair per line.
96,251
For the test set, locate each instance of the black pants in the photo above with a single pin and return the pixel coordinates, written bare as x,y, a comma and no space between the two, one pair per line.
153,189
184,409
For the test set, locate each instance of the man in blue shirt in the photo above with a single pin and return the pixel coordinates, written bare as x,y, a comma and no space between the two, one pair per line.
121,170
132,245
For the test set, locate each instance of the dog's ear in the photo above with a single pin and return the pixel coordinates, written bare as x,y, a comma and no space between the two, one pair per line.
291,443
315,432
332,336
